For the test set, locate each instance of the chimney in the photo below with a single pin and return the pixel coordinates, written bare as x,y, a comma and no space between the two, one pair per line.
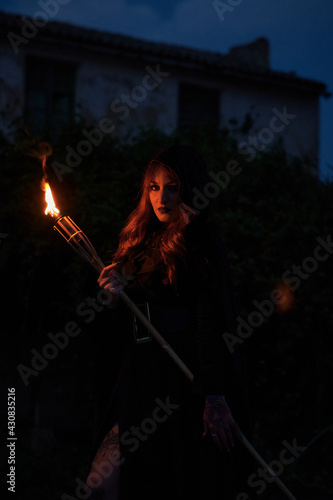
254,55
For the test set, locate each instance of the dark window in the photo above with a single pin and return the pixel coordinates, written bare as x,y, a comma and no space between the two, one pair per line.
197,106
50,93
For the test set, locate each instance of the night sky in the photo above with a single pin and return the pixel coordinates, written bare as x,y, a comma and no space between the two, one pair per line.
299,31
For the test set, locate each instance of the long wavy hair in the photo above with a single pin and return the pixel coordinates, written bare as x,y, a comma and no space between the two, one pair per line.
143,227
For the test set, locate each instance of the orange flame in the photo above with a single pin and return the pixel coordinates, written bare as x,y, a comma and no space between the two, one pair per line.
286,300
51,208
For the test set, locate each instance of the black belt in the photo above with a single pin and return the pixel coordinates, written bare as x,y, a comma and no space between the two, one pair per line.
164,319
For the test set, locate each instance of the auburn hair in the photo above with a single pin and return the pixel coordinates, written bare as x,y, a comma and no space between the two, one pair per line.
142,226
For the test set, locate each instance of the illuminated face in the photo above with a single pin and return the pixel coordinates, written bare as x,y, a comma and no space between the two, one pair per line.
164,197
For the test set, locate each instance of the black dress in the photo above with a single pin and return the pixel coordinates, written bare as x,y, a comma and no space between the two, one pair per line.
159,410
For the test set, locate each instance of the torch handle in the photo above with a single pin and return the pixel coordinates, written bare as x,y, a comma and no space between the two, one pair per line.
168,349
262,462
82,245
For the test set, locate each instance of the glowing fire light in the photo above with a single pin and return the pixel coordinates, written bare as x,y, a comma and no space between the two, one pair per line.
42,152
51,208
286,301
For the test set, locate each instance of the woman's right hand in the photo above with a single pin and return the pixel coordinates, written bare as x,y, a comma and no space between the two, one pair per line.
111,281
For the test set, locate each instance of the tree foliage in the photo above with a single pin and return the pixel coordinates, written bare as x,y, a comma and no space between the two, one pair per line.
270,215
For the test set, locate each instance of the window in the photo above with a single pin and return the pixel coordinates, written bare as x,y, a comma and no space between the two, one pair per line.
197,106
50,90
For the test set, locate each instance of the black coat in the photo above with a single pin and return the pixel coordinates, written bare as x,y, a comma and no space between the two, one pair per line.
158,409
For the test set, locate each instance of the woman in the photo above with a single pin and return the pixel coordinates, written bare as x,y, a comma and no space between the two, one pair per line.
168,437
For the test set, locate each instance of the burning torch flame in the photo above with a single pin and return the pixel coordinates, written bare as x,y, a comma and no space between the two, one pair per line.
51,209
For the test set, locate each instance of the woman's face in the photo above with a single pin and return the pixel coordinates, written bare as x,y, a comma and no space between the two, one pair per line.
164,197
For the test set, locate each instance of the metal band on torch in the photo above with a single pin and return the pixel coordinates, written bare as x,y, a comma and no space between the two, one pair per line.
78,241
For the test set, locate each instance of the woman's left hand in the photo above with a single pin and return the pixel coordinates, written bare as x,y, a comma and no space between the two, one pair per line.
219,422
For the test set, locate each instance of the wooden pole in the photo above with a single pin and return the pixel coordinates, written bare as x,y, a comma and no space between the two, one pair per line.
82,245
262,462
168,349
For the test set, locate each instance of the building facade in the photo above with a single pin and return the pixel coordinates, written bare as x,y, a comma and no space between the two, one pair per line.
51,72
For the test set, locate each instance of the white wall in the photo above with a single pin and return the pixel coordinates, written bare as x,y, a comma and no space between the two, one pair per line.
129,95
132,93
12,87
298,126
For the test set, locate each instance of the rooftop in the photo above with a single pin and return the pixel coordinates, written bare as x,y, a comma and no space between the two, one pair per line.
250,61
